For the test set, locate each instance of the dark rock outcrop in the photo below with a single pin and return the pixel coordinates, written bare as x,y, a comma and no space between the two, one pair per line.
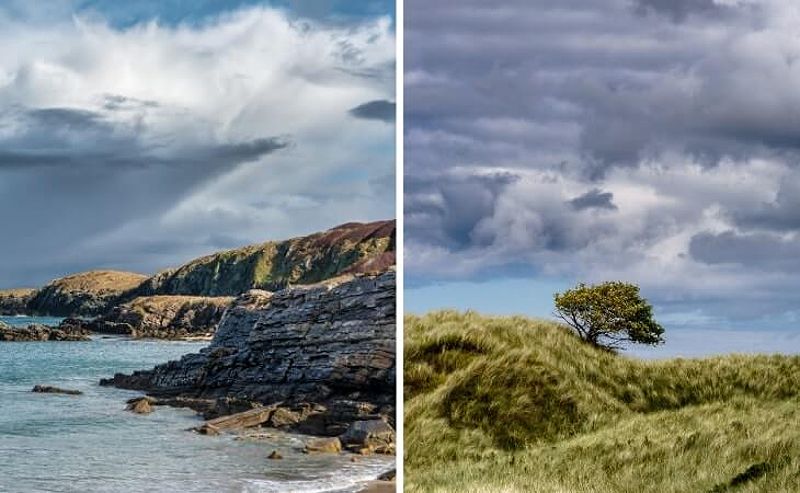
38,332
85,294
15,301
324,354
48,389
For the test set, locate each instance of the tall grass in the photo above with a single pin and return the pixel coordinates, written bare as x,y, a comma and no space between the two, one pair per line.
514,404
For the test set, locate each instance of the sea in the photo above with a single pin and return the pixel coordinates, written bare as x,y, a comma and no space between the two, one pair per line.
90,443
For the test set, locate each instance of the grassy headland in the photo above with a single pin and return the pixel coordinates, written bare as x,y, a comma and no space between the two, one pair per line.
510,404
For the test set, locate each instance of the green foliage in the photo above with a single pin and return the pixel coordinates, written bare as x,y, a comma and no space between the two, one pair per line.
608,315
518,405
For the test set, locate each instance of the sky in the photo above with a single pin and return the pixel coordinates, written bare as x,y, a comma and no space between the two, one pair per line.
138,135
550,142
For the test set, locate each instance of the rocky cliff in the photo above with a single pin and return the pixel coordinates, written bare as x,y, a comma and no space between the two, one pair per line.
347,249
325,353
85,294
15,301
351,247
163,317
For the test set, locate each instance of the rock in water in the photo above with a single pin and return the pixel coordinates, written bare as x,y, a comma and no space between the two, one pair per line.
38,332
246,419
373,436
140,405
47,389
388,476
328,445
324,353
207,429
275,455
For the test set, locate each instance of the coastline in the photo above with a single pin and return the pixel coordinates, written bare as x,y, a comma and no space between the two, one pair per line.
380,487
90,435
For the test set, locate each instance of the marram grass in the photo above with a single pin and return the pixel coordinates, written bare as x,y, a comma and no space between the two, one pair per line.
509,404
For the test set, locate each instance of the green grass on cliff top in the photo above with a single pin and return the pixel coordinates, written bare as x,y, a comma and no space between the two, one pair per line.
520,405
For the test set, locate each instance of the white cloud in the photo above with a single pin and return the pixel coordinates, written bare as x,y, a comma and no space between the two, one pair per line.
189,110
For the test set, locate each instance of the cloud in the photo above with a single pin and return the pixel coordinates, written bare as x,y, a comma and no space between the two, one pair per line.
654,142
83,138
780,214
753,250
142,147
679,10
375,110
594,199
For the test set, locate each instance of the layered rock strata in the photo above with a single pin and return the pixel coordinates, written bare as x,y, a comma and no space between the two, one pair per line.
163,317
323,356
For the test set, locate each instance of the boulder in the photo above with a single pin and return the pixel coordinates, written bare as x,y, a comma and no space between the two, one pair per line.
388,475
326,445
246,419
207,429
369,436
141,405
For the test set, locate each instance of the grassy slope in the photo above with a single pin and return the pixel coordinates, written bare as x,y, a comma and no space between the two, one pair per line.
98,282
160,304
513,404
276,264
85,293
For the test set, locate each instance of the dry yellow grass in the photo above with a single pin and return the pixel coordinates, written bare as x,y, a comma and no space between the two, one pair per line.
513,404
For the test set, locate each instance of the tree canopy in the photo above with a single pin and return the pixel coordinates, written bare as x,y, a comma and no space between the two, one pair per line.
609,315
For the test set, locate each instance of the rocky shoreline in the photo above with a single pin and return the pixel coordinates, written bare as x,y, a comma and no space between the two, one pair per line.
39,332
316,359
188,302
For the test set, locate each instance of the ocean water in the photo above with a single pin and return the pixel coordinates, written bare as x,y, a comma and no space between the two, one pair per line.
89,443
24,320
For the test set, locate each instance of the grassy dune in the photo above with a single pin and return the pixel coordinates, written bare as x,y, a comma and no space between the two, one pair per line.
521,405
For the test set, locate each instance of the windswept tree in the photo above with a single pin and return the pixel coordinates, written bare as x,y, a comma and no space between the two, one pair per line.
609,315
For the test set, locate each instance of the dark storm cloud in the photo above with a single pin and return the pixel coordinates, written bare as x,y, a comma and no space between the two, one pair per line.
781,214
241,152
139,144
375,110
70,137
680,116
450,207
754,250
594,199
679,10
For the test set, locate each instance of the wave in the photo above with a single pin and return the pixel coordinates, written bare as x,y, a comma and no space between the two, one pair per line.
331,484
